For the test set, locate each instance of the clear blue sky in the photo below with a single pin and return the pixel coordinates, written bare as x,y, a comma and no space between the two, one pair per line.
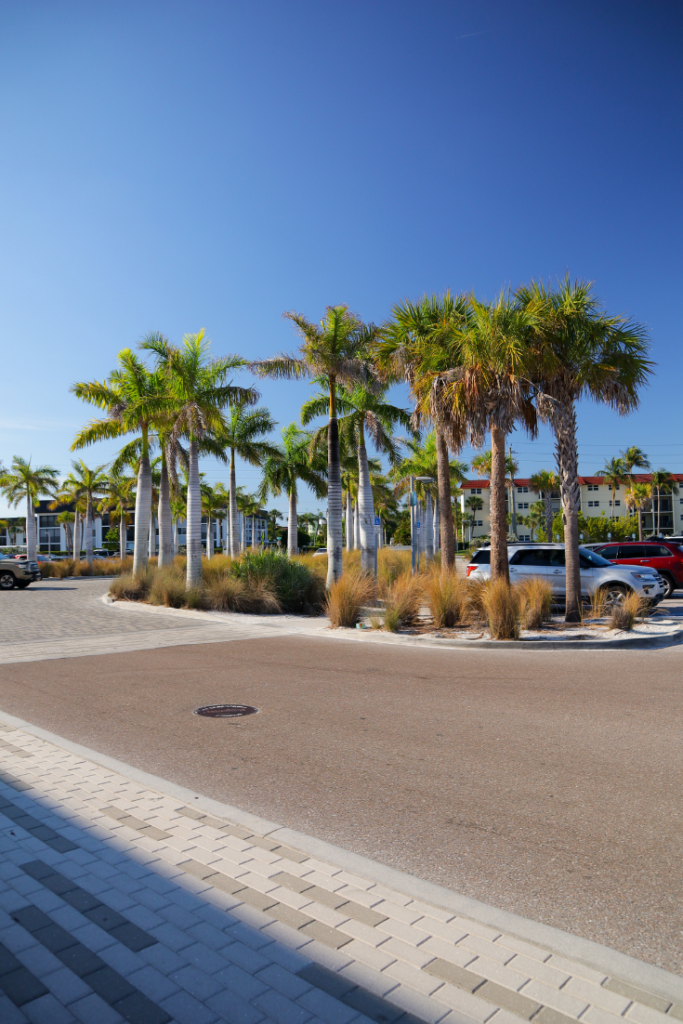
175,165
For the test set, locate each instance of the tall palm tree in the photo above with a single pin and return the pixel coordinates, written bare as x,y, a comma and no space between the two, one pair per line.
243,436
200,390
134,399
212,507
87,484
416,345
290,464
638,499
482,465
118,498
662,482
614,474
547,484
24,482
634,458
577,350
335,350
365,412
66,519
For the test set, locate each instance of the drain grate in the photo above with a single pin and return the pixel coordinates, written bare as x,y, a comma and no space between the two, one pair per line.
225,711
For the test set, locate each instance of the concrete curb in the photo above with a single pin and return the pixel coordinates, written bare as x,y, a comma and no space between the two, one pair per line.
364,636
591,954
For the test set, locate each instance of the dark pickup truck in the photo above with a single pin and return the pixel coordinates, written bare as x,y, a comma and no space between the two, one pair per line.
17,573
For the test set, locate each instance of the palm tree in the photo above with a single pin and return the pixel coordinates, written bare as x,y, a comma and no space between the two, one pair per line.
243,436
134,399
335,351
365,411
474,504
25,482
546,483
638,499
212,507
290,463
614,474
424,461
634,458
272,517
482,465
416,346
86,484
577,350
66,519
117,501
662,482
200,391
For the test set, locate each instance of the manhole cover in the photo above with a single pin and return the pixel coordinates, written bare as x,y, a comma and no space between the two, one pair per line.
225,710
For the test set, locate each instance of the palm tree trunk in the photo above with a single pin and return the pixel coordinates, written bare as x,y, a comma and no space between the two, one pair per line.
143,504
253,533
356,527
88,533
31,546
243,533
366,512
640,524
444,484
233,529
435,525
77,537
429,528
209,537
349,521
564,425
194,520
165,518
175,538
292,527
548,499
659,505
152,547
499,547
334,496
123,537
380,535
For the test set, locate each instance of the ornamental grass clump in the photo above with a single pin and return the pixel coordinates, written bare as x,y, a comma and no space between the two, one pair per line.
131,588
297,588
598,605
503,606
623,615
347,597
392,564
446,596
402,600
168,588
536,595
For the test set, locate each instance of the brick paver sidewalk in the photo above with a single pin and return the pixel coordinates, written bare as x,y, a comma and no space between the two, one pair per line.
121,902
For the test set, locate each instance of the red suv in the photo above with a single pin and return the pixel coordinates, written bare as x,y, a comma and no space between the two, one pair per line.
663,555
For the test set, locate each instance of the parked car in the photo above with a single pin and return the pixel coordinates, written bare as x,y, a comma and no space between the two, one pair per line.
17,573
666,556
597,573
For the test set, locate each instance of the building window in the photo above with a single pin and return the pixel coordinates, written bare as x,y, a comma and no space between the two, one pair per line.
617,502
478,522
593,487
522,504
522,490
593,504
476,490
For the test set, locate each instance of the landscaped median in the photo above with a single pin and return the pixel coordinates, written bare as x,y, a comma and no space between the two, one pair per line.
428,608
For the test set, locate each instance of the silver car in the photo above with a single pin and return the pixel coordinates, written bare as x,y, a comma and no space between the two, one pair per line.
547,561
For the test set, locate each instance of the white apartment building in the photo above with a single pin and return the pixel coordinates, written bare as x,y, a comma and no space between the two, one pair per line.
596,498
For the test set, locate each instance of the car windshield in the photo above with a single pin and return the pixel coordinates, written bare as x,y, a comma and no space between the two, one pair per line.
593,557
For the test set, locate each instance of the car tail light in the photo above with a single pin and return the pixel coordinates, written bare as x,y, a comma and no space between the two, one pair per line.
471,568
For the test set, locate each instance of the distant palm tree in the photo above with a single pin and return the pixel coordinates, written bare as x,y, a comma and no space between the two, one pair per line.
614,474
134,399
538,517
290,464
66,519
87,484
634,458
639,499
474,504
547,484
663,482
272,517
212,506
118,499
335,350
25,482
424,461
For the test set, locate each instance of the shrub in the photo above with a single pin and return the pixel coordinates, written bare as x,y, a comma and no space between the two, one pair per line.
346,598
536,595
446,595
131,588
402,600
502,604
297,588
624,614
167,588
598,605
229,594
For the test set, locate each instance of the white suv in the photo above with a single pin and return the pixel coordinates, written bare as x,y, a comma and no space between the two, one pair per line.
547,561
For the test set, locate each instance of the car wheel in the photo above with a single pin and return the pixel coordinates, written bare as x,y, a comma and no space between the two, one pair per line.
670,585
614,595
6,580
22,584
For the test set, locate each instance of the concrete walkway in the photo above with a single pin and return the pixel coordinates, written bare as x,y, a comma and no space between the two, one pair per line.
125,898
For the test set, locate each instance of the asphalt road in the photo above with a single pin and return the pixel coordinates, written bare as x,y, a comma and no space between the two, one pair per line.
545,784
